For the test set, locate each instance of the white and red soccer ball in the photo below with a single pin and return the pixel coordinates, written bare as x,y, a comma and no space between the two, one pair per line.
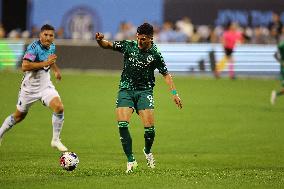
69,161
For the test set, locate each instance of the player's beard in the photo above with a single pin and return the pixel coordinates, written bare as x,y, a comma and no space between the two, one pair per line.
144,46
46,43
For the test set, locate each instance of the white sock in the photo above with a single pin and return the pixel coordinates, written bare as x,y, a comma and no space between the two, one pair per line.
57,122
7,125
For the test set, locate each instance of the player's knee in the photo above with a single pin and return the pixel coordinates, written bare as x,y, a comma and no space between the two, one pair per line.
59,108
19,117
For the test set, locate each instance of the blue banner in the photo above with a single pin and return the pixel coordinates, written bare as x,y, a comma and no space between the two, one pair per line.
83,16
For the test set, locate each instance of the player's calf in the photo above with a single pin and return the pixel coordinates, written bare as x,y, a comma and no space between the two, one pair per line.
126,140
57,123
6,126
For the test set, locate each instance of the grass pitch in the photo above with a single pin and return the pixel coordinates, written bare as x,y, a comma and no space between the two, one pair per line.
226,136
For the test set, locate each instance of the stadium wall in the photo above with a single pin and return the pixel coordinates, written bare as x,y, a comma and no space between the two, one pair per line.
181,58
88,57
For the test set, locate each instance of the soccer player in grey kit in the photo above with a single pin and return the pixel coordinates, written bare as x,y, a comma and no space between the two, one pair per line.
36,85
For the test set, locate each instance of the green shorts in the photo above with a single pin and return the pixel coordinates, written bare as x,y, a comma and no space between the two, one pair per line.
138,100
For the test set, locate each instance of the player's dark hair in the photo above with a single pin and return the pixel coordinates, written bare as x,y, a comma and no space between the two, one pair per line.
146,29
46,27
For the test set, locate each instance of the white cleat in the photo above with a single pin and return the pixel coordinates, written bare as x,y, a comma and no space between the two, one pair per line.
131,166
58,144
273,97
150,160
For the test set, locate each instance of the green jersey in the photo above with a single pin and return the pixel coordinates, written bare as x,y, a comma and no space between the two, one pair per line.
139,65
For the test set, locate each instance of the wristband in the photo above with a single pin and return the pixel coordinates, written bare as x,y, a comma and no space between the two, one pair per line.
174,92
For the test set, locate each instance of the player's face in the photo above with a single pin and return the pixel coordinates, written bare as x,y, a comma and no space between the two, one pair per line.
46,37
144,41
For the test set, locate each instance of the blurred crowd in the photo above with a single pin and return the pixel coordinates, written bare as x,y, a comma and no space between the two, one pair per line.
182,31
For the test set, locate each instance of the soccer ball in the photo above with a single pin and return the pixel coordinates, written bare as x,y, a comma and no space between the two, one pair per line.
69,161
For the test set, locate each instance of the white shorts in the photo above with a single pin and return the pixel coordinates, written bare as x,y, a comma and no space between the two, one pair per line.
26,99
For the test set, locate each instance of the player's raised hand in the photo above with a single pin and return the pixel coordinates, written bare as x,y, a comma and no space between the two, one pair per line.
177,100
99,36
103,43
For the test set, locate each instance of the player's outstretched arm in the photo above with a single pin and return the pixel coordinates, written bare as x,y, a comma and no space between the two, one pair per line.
169,80
102,42
28,65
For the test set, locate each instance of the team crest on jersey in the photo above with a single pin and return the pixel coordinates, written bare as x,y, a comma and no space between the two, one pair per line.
150,59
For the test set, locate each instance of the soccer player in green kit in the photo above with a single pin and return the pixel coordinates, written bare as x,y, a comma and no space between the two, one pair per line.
141,58
280,58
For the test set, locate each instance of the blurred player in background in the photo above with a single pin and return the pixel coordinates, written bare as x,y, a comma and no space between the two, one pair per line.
36,85
229,40
141,58
280,58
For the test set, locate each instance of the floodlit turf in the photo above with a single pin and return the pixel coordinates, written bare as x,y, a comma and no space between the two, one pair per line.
226,136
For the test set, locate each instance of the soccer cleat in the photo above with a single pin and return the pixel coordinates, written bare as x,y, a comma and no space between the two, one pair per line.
58,144
150,160
131,166
273,97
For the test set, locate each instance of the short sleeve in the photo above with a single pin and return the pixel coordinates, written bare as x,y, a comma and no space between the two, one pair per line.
120,46
30,54
161,65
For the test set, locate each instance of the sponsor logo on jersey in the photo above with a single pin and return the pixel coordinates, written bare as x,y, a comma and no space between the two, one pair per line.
150,59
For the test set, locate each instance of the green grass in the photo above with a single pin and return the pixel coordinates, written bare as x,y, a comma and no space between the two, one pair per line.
226,136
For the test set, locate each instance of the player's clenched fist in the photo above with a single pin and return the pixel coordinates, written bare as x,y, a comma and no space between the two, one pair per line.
99,36
52,59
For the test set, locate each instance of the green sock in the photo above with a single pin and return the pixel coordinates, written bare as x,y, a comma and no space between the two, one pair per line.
149,138
126,140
